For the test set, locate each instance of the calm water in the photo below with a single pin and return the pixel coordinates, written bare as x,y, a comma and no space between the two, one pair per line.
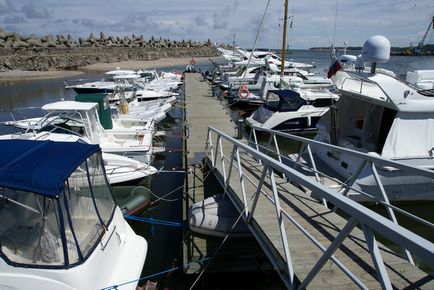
165,244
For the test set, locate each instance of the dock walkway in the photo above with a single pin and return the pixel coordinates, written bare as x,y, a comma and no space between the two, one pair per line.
281,215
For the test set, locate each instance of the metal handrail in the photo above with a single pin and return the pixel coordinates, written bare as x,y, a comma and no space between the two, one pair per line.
370,220
374,159
334,179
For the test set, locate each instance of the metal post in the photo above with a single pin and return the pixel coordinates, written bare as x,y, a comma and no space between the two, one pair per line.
241,176
381,272
331,249
282,229
389,210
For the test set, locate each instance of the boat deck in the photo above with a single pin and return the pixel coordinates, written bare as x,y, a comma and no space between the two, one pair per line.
322,223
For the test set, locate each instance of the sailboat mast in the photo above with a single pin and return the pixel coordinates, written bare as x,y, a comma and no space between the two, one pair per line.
285,18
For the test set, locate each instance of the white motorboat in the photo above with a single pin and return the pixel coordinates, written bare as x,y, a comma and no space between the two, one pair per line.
82,119
261,57
291,110
109,84
215,216
244,75
159,82
61,228
121,169
381,115
146,110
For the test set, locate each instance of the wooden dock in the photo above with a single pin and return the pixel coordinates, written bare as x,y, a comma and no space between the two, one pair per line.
202,111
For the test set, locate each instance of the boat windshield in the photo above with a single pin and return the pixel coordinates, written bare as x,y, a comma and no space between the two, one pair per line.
57,231
272,102
286,101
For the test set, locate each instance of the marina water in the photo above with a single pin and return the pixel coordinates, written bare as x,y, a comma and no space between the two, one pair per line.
165,243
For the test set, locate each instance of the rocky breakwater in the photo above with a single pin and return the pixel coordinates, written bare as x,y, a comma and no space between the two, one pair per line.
20,52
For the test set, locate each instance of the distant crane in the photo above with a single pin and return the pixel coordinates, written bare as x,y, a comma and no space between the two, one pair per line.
420,45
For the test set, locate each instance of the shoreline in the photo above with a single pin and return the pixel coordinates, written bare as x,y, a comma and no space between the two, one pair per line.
20,75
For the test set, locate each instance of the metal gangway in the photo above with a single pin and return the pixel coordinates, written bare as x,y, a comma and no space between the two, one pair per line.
313,234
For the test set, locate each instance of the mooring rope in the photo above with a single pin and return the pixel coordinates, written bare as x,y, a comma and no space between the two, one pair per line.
153,275
218,249
154,221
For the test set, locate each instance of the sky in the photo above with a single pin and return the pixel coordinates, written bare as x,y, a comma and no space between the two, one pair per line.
314,22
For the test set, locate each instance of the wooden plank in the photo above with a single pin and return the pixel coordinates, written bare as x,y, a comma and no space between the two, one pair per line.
203,110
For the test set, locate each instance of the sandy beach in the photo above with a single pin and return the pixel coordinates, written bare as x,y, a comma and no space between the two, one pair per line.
151,64
19,75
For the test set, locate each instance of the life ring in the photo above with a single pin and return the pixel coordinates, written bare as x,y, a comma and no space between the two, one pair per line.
192,62
243,92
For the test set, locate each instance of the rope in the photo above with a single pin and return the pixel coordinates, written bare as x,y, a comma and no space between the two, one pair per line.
154,221
153,275
336,20
163,197
254,43
218,249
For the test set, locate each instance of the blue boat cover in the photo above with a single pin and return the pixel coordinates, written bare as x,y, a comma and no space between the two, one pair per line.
41,167
285,93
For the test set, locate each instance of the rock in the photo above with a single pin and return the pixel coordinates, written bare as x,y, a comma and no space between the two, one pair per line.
8,65
34,42
20,44
91,38
16,37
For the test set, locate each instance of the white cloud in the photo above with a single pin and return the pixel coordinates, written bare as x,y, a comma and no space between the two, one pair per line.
400,21
35,11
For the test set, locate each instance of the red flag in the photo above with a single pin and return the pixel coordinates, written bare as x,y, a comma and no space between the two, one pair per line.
334,69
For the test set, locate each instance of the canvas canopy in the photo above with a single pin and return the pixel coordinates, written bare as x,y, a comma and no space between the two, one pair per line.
41,167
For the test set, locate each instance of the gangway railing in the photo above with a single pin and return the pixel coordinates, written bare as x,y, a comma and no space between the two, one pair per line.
223,154
372,162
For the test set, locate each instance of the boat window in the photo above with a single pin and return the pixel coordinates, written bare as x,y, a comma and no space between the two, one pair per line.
322,102
101,190
84,218
291,102
30,229
254,71
91,122
64,123
272,102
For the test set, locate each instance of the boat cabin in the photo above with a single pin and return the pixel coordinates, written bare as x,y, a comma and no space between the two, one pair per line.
55,203
288,110
71,117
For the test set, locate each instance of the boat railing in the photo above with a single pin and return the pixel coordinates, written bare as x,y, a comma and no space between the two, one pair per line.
224,154
363,86
21,115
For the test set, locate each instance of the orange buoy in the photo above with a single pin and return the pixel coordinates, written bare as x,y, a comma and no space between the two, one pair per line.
243,92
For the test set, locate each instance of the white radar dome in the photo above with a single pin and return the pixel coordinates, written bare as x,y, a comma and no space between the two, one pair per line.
376,49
